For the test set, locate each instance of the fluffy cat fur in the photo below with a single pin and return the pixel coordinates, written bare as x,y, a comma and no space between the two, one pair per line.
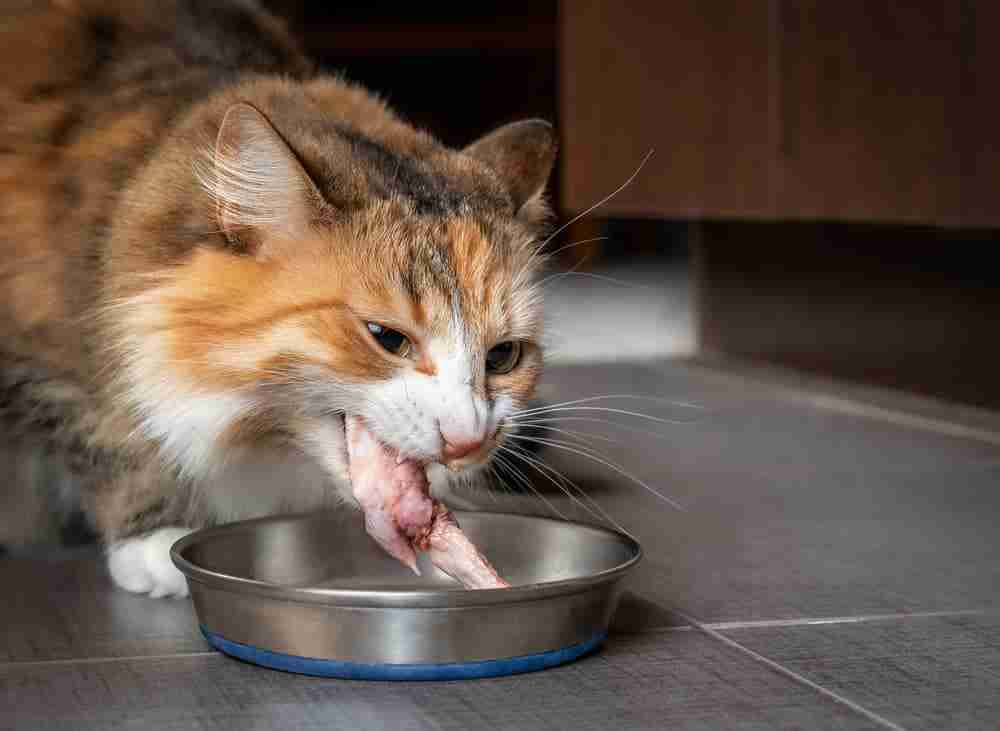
196,227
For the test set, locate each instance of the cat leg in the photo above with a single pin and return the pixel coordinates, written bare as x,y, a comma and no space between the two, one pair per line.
141,510
142,564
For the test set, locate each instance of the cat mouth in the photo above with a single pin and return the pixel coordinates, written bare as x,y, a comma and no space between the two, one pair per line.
423,461
459,465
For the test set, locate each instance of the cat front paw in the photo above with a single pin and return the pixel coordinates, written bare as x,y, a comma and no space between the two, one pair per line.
142,565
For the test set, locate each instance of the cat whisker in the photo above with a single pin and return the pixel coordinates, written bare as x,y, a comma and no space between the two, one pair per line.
559,275
532,462
512,468
493,472
539,423
589,399
560,481
543,440
556,444
564,247
607,410
601,202
582,436
601,277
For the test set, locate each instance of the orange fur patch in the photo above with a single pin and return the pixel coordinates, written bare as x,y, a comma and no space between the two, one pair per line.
234,322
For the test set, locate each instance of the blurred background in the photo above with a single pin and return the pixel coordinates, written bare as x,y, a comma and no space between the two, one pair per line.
823,192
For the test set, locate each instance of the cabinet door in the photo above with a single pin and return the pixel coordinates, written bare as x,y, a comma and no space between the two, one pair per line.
687,79
871,109
981,119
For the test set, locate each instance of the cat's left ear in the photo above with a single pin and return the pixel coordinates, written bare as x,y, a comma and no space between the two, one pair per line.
522,154
262,193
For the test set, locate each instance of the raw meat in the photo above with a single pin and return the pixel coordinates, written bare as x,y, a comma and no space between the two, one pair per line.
401,515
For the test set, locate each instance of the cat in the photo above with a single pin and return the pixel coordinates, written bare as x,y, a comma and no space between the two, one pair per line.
214,252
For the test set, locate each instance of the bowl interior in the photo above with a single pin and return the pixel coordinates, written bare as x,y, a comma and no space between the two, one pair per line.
331,550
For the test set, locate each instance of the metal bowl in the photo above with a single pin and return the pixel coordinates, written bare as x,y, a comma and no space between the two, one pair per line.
314,594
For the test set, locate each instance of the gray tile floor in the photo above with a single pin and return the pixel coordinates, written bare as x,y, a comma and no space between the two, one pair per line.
637,309
648,681
920,671
832,568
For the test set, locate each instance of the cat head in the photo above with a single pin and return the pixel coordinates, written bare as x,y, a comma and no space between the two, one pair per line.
373,274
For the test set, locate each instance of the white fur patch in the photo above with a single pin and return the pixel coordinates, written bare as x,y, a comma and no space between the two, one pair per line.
412,410
461,414
324,441
186,420
143,566
189,425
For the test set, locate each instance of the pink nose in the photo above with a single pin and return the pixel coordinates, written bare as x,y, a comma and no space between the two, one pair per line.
458,449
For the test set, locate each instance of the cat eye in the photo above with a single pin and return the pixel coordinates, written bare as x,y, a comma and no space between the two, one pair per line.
503,358
392,340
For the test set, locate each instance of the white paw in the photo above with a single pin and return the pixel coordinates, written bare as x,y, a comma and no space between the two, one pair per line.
143,566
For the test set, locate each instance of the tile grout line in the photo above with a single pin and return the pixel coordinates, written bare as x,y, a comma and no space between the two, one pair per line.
856,407
850,407
849,619
791,674
808,621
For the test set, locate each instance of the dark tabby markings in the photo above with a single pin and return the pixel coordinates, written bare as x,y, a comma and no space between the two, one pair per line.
401,176
76,530
232,36
64,131
104,32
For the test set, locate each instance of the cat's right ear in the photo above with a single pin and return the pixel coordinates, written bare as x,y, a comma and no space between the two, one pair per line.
261,191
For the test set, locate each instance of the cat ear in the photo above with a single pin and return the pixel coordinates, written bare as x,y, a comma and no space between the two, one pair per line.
522,154
260,188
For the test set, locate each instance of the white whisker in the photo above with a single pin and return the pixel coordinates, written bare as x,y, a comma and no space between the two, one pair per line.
601,277
544,469
580,435
542,421
548,440
589,399
610,465
524,480
601,202
637,414
559,275
575,243
491,470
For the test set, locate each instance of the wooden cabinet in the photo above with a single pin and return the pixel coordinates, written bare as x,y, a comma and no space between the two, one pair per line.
981,124
652,75
869,112
788,109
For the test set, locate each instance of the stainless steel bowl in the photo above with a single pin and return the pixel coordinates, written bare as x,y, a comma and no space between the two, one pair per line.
316,588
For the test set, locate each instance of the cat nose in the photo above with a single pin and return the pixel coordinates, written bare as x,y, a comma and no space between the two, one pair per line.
454,450
463,430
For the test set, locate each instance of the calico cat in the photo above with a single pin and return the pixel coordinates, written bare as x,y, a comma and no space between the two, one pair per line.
212,251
